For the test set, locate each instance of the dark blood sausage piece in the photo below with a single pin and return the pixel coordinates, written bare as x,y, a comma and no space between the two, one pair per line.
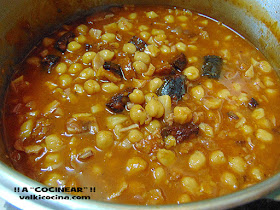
180,62
63,41
252,103
139,43
49,62
113,67
174,86
212,66
180,132
118,101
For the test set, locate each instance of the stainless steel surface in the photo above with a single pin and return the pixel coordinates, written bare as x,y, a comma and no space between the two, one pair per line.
256,20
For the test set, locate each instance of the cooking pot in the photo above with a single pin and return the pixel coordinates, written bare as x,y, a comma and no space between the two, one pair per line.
24,22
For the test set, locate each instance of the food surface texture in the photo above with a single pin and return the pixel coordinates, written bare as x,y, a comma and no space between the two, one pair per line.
148,104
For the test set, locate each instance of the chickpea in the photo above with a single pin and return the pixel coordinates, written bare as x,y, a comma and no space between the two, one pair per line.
257,173
237,164
152,50
243,97
212,103
159,39
34,149
271,92
95,33
155,84
197,92
26,128
65,80
264,135
75,68
166,157
129,48
156,32
135,136
87,73
107,55
124,24
207,129
97,108
61,68
165,100
91,86
229,179
217,158
159,174
79,89
132,16
53,180
192,73
169,141
143,28
208,83
150,96
145,35
74,46
104,139
182,115
250,72
82,29
110,87
197,160
88,57
140,67
192,47
182,18
165,49
190,185
268,82
108,37
184,198
137,97
258,113
192,59
141,56
81,39
265,67
181,46
138,114
264,123
247,129
135,165
151,14
53,160
111,27
154,124
53,142
154,108
223,94
169,18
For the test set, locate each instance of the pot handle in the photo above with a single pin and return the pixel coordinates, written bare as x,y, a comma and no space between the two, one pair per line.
275,195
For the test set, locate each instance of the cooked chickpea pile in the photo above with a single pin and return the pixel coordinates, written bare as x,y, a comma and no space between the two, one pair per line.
127,101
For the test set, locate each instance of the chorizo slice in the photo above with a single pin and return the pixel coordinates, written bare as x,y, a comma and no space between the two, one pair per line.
139,43
180,132
63,41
